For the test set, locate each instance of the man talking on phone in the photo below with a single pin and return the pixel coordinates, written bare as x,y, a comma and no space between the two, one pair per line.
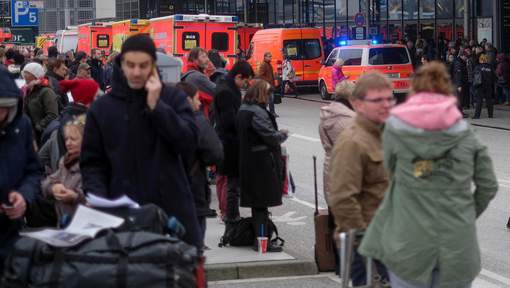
20,172
136,135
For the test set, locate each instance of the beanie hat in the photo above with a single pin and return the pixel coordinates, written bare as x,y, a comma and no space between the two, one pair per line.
83,90
139,43
35,69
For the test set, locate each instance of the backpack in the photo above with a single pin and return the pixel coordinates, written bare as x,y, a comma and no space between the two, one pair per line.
242,234
477,78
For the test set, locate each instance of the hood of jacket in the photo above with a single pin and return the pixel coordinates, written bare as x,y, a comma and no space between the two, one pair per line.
10,93
331,113
120,86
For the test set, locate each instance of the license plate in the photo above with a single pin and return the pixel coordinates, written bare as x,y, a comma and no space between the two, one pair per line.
401,84
393,75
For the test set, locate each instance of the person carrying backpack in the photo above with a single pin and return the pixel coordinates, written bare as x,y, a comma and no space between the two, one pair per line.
483,85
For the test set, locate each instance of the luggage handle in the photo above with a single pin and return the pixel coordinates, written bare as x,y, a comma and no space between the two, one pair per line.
315,185
346,257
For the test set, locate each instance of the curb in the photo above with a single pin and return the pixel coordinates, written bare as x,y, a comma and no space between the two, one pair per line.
283,268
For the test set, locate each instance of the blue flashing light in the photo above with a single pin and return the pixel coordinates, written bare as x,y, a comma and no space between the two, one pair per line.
342,43
375,42
235,19
134,21
178,17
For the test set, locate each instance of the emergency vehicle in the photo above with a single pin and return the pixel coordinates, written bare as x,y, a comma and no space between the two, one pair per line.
5,34
95,36
66,40
178,34
45,41
245,32
121,30
392,60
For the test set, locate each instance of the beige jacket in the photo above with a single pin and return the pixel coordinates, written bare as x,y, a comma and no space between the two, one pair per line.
358,177
71,179
334,118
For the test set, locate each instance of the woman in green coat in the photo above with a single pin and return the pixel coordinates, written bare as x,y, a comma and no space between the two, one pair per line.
424,231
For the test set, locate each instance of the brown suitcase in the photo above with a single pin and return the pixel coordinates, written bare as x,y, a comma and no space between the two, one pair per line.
324,247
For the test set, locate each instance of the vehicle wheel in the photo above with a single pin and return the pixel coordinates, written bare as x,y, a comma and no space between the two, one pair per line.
324,91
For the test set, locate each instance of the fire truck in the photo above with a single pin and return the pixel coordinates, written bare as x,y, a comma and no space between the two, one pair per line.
45,41
121,30
178,34
96,35
5,34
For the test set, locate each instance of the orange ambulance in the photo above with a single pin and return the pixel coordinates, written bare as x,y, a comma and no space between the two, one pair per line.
121,30
95,36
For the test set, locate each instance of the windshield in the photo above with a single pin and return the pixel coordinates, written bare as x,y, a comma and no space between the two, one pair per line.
389,55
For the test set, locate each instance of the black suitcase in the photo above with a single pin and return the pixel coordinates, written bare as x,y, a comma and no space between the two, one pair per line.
125,259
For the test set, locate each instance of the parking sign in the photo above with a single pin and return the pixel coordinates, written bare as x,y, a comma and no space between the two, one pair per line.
24,15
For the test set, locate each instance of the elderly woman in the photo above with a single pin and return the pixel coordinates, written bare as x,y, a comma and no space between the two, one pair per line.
260,168
425,229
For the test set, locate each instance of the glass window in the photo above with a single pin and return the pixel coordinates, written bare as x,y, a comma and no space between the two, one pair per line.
383,9
331,58
459,8
329,10
427,9
395,9
312,49
395,31
388,56
190,40
318,14
411,31
341,8
351,57
292,49
289,16
444,9
103,41
219,41
484,8
410,9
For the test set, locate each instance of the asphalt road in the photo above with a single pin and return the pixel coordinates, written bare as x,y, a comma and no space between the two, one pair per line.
295,218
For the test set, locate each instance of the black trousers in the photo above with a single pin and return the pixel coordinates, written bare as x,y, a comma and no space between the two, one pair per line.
483,94
260,218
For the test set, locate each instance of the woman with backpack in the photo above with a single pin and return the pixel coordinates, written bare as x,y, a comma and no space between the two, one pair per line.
484,78
260,167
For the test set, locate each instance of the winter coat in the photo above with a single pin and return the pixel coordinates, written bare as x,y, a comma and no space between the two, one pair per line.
71,179
470,67
503,72
460,76
205,86
97,72
41,105
334,118
19,167
428,217
337,75
260,166
54,79
488,80
50,153
209,152
226,105
265,72
360,178
129,149
218,74
108,71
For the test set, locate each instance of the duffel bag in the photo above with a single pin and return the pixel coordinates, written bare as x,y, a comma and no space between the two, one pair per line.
148,218
124,259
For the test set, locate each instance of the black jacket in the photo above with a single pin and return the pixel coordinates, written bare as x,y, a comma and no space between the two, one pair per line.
488,79
460,73
209,152
128,149
19,166
226,105
97,72
54,80
261,168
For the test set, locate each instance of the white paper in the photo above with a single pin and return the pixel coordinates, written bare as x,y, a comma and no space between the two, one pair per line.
100,202
86,224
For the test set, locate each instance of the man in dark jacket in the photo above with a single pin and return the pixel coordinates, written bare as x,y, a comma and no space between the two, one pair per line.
209,152
96,69
137,135
56,72
20,172
460,78
484,86
226,105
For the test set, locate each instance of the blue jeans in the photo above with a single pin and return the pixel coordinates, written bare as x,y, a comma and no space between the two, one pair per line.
359,273
506,93
397,282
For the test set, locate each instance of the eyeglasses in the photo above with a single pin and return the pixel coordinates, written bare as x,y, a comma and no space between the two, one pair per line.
390,100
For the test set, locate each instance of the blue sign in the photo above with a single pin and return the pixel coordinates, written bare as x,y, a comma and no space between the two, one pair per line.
359,19
24,15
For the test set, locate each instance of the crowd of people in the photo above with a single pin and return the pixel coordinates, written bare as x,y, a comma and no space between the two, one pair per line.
86,124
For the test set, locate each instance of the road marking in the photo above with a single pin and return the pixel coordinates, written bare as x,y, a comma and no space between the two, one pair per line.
495,276
480,283
303,137
287,218
305,203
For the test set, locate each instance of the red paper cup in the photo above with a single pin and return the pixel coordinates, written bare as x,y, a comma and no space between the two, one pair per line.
262,244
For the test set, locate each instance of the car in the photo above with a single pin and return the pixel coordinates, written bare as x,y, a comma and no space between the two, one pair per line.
390,59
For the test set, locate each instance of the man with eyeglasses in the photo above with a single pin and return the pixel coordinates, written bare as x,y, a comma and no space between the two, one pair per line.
359,180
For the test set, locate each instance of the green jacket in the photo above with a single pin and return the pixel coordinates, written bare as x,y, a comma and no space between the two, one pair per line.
41,105
427,218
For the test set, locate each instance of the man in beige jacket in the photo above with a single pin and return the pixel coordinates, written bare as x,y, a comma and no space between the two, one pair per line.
358,179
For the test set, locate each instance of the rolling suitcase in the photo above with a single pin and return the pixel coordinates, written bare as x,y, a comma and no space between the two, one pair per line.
324,246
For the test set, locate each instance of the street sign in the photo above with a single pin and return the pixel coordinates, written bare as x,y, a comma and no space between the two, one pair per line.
23,35
359,19
359,33
23,15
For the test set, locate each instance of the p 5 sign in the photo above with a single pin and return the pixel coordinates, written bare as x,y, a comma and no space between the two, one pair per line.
23,15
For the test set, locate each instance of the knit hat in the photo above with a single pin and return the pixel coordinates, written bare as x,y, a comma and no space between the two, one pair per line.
83,90
139,43
35,69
